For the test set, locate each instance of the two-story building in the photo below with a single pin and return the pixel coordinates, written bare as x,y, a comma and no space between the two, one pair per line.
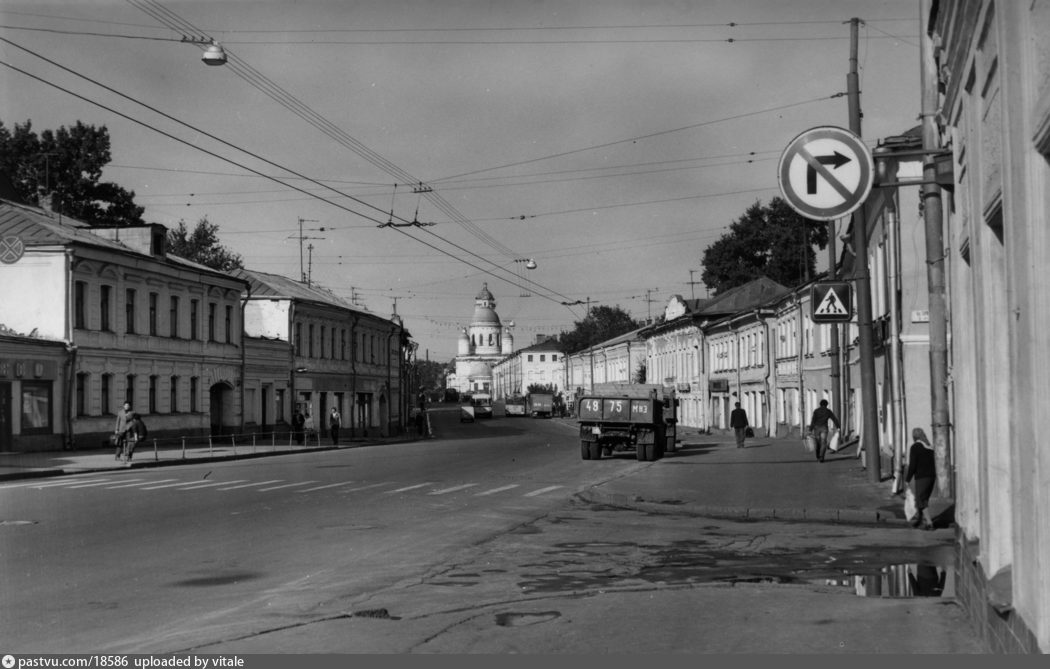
156,331
540,364
336,355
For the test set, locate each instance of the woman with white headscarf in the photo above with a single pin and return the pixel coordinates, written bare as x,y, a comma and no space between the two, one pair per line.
921,467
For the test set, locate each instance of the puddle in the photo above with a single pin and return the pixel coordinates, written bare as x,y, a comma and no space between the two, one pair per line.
899,581
521,619
219,579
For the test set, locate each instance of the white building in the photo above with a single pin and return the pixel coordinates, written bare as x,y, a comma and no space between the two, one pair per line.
481,345
540,364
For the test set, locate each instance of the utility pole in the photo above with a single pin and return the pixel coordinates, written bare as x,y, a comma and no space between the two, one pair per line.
302,271
862,281
310,265
648,304
692,291
933,218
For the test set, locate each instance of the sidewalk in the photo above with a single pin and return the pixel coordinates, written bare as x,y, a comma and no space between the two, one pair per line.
57,463
770,479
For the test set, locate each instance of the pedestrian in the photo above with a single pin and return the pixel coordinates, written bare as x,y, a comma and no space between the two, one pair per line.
818,427
738,421
136,432
298,425
333,425
922,466
120,430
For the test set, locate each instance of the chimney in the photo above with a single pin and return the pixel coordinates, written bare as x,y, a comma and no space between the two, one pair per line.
150,239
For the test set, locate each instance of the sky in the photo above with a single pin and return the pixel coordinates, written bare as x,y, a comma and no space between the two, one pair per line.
609,142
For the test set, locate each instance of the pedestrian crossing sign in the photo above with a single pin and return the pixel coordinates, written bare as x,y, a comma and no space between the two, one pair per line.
832,302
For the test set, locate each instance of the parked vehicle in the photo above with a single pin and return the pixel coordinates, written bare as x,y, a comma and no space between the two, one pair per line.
482,404
539,405
629,416
514,406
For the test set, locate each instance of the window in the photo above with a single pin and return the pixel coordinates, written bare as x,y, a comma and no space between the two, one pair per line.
82,381
333,349
229,324
129,311
194,318
299,339
104,306
80,305
153,297
152,394
36,407
173,399
554,357
342,344
530,357
543,357
310,340
129,390
194,382
107,384
173,317
373,337
211,321
321,347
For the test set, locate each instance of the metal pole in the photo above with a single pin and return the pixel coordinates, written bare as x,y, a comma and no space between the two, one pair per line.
862,281
836,363
935,254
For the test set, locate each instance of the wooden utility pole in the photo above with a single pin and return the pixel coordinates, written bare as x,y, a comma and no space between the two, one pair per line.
869,421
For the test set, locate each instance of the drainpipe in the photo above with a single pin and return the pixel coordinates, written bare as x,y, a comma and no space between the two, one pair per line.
71,353
801,377
770,360
353,373
291,359
897,408
389,387
244,355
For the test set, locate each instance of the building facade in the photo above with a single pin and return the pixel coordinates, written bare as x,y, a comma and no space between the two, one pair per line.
540,364
156,331
989,67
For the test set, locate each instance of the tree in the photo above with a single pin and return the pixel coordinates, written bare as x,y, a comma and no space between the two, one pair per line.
63,168
601,324
772,241
202,246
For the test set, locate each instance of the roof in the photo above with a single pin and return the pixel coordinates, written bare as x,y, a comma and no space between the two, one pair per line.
36,227
264,284
748,296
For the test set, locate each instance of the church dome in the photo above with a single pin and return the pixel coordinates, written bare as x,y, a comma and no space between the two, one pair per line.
484,316
485,295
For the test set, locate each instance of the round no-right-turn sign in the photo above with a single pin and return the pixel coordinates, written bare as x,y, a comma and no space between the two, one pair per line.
826,173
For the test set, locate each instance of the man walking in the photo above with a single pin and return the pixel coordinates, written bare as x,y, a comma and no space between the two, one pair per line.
738,421
334,419
120,429
818,427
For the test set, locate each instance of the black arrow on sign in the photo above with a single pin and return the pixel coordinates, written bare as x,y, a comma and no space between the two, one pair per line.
836,161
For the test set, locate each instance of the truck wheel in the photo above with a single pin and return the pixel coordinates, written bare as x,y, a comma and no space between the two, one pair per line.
596,451
585,450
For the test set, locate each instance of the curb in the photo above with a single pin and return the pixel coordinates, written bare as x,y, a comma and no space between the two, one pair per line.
787,514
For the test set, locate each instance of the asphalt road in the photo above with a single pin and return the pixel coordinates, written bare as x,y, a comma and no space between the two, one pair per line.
471,542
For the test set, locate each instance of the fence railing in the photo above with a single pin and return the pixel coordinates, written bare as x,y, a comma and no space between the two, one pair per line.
172,448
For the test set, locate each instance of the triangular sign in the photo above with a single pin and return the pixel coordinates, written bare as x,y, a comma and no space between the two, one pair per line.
831,305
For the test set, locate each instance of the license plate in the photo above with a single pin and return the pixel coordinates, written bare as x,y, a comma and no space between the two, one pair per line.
596,430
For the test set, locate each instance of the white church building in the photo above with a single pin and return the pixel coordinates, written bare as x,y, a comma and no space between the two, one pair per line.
481,345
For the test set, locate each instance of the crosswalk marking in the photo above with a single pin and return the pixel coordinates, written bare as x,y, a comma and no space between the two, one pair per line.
366,487
135,485
496,490
534,493
64,482
322,487
411,487
249,485
197,485
96,483
452,489
287,485
168,485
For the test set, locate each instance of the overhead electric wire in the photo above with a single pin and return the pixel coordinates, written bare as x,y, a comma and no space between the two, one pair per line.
296,106
250,169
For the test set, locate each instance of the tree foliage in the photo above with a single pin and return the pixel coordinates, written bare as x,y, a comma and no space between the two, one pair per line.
63,168
202,246
772,241
600,324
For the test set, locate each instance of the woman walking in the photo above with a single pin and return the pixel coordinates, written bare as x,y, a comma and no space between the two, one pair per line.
923,468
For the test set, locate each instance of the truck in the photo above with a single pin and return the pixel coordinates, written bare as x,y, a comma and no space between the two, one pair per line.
514,406
539,405
618,417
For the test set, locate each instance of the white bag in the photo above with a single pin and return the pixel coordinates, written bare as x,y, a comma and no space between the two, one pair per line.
909,504
833,441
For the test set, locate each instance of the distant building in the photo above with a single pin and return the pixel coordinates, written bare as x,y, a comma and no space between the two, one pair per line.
540,364
481,345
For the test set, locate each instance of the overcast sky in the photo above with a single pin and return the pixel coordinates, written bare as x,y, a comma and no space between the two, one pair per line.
609,141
